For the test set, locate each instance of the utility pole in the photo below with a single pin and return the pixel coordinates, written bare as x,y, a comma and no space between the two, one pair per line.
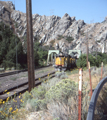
87,49
30,56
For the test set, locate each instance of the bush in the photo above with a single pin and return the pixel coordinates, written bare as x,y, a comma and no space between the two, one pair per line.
60,37
65,88
38,93
94,61
81,62
35,105
26,96
69,39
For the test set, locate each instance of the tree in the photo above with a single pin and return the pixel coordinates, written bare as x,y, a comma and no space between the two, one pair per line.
10,48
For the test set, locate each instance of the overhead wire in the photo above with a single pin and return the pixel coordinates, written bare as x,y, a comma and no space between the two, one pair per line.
16,56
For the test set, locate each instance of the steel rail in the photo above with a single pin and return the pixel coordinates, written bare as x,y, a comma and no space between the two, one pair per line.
17,71
22,87
12,73
90,115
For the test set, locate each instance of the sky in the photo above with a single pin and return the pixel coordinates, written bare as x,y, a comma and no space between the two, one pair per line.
91,11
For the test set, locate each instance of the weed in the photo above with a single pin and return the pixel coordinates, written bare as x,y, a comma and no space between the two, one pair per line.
13,78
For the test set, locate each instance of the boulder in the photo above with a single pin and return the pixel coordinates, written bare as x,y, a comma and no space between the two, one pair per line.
2,9
15,15
80,23
63,24
73,18
34,16
11,5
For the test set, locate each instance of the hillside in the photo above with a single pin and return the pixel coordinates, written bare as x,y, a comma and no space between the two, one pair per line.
65,33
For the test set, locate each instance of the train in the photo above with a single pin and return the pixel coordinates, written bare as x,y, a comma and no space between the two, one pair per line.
63,61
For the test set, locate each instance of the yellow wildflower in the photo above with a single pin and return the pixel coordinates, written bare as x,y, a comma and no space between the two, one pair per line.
8,92
6,115
16,110
3,102
5,91
2,113
14,100
7,99
10,109
21,100
39,78
0,102
19,96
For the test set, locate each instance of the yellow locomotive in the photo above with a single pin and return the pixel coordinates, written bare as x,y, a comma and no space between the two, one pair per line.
61,61
64,62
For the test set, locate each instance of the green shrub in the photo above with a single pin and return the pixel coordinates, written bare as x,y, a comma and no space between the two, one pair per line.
69,39
26,96
38,93
60,37
65,88
94,60
81,62
40,55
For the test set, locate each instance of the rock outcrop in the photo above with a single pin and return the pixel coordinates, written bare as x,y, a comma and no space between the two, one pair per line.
49,28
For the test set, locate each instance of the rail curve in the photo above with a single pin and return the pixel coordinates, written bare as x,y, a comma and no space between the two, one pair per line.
90,115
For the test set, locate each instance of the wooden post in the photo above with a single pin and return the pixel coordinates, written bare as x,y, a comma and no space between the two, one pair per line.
90,80
30,56
80,94
101,70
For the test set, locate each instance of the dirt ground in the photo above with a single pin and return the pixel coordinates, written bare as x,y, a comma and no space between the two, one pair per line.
7,80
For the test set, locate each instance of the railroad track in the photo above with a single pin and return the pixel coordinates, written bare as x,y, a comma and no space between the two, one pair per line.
17,71
17,88
11,73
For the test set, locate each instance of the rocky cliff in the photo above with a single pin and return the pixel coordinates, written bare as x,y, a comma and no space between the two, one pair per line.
64,33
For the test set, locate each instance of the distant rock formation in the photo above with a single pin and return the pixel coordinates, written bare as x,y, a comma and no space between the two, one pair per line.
51,27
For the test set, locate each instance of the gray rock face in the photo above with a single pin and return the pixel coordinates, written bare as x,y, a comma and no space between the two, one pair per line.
73,18
106,18
43,39
2,9
49,27
35,16
11,5
63,24
15,15
51,22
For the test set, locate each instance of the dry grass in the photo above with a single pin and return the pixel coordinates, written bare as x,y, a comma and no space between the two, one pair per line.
95,76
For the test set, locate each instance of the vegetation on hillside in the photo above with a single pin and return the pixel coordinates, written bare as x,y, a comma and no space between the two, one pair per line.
95,59
40,54
68,38
11,50
14,55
